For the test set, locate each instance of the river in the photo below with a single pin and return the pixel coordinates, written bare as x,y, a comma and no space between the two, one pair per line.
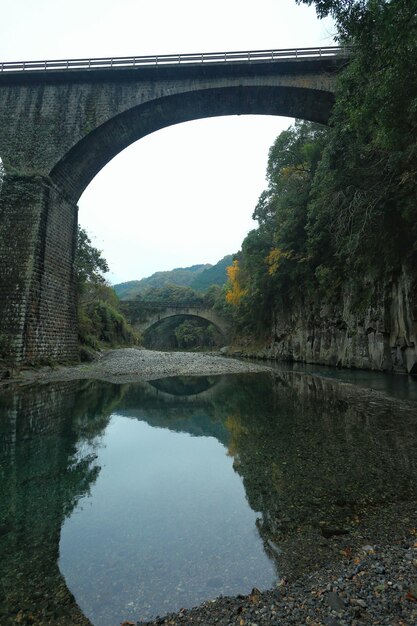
122,502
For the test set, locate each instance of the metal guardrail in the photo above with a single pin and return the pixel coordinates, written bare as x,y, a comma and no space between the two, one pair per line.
174,59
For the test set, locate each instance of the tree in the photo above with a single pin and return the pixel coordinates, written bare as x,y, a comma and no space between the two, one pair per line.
235,292
100,320
339,214
365,187
89,263
273,261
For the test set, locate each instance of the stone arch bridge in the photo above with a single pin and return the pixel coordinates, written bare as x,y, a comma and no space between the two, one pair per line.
143,315
62,121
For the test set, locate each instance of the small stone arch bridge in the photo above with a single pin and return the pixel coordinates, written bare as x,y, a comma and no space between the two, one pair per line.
62,121
142,315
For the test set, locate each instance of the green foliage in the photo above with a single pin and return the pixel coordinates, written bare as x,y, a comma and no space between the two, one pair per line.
172,294
100,321
182,333
364,191
193,334
339,212
273,261
198,277
213,295
89,264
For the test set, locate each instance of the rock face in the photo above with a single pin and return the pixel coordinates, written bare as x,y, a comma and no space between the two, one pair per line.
383,337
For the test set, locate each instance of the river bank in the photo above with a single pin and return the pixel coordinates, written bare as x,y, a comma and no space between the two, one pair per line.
373,584
125,365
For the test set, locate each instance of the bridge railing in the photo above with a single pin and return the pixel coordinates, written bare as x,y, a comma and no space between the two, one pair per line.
174,59
157,304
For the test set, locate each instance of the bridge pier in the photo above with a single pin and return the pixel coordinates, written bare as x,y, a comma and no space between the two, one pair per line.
61,122
38,227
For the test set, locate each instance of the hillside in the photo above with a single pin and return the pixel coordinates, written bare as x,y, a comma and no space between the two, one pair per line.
215,275
198,277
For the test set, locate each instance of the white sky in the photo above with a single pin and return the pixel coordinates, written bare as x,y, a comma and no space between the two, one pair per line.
185,194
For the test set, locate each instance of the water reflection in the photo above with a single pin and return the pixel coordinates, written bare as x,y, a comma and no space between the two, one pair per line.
185,385
316,458
42,477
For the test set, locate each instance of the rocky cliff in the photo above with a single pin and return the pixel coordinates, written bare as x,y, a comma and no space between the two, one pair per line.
382,337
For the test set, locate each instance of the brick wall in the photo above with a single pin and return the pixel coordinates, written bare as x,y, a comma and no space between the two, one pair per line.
37,289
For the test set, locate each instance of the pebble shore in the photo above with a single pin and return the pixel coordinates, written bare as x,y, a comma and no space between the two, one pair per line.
374,585
126,365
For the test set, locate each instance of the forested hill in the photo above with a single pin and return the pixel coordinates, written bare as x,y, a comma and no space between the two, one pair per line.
198,277
215,275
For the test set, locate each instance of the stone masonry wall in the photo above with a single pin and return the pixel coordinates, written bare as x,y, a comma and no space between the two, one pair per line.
51,330
37,298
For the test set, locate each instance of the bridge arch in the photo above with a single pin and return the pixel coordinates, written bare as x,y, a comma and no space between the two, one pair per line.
62,121
183,331
87,157
144,319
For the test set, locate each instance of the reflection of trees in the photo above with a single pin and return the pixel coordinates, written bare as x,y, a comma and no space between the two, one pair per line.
315,455
199,414
43,475
310,452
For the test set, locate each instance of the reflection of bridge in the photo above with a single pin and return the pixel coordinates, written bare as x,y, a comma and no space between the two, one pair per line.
143,314
61,122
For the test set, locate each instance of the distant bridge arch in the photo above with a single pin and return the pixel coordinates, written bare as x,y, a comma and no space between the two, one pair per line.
145,315
62,121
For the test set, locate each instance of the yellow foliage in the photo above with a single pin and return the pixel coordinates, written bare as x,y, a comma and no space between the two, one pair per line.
235,291
275,258
234,426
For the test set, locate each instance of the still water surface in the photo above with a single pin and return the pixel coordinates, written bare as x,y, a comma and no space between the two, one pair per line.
167,525
123,502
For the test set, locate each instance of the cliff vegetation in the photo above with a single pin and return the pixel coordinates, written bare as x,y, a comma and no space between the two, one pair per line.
100,320
337,223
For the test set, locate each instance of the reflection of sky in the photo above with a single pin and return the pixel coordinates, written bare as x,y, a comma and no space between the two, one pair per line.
167,525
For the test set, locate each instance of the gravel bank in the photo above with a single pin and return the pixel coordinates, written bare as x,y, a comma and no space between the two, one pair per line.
371,584
132,364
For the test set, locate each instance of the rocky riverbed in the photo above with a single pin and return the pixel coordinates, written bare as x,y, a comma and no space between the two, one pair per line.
373,584
126,365
369,577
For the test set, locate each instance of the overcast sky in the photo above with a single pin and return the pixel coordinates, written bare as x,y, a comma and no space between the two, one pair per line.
185,194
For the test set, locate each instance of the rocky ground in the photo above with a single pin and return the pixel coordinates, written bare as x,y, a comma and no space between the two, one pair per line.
368,584
376,586
131,364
